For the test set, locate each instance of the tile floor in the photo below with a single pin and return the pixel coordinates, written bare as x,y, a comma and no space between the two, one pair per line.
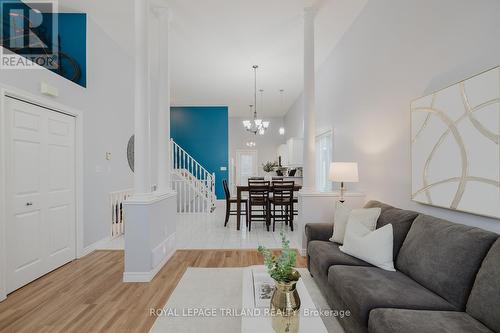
208,232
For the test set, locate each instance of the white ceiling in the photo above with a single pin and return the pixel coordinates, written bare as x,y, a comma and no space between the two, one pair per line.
214,44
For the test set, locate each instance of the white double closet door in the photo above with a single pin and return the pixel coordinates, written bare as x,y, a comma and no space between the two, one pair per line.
40,151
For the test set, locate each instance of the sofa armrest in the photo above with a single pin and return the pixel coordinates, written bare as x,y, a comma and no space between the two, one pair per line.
319,231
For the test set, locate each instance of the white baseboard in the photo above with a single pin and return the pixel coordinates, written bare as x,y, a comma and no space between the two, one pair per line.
130,277
92,247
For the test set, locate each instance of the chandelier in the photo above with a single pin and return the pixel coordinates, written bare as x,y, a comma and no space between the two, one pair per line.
257,125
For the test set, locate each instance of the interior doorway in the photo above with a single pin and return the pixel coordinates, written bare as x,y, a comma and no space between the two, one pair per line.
246,166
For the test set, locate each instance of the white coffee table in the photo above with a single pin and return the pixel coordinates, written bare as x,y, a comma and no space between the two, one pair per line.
262,324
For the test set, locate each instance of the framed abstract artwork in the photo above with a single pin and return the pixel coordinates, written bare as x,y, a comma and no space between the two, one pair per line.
455,146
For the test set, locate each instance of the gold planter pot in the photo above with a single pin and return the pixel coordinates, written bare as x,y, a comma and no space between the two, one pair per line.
285,307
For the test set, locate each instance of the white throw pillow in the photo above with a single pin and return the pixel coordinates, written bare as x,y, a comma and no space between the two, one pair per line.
374,247
340,219
343,214
368,217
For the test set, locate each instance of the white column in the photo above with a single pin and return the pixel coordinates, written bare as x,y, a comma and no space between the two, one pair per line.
163,138
309,102
142,172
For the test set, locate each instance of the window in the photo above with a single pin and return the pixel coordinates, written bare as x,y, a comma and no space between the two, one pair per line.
324,156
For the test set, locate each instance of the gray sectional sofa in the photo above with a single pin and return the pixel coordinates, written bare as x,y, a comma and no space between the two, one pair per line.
447,278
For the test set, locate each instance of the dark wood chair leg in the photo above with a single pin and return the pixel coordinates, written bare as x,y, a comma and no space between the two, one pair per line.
291,218
228,211
286,215
268,215
246,213
274,218
249,217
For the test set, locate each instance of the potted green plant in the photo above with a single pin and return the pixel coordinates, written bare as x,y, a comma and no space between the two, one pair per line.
285,302
269,167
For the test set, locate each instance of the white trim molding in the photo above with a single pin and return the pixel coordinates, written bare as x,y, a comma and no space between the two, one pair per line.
93,247
7,91
169,247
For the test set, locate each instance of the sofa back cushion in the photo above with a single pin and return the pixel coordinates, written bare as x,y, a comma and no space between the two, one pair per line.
444,256
400,219
484,300
378,204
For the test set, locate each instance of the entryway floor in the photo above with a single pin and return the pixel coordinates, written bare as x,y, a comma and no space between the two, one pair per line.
199,231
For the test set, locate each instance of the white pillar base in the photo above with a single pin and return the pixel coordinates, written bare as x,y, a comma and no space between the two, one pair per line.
150,234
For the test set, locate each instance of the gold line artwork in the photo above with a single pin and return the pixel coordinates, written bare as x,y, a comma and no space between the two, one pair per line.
492,136
452,128
463,153
456,179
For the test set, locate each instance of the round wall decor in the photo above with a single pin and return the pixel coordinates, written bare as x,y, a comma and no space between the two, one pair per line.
130,152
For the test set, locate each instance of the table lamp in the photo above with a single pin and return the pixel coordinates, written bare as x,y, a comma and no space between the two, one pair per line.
342,172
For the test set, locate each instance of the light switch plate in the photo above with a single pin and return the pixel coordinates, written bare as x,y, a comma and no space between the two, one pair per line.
47,89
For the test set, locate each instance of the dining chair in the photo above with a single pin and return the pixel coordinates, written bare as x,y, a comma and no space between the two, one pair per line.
231,200
282,203
256,178
258,202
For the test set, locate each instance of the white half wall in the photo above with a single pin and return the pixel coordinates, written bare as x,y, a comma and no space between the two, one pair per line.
395,52
150,236
106,104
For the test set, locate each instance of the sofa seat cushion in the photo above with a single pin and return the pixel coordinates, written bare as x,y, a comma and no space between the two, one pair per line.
326,254
418,321
366,288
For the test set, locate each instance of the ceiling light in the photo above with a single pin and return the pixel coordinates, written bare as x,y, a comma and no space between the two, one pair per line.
258,126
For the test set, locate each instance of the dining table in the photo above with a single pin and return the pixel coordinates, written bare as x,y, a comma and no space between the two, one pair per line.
245,188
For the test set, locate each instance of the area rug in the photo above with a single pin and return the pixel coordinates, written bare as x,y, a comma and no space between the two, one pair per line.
195,304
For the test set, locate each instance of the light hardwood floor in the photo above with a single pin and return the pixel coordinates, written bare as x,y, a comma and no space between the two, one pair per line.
88,295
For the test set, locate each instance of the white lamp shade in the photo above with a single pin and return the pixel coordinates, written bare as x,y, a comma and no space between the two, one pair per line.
344,172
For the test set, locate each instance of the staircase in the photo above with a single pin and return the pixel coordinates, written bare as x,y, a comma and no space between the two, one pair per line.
195,186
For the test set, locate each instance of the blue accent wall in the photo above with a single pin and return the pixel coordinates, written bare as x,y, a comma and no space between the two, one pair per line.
203,133
73,35
71,39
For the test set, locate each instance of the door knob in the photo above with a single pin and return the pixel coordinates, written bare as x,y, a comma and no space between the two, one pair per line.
29,204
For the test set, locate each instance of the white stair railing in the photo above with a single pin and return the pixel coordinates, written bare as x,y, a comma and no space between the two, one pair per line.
116,200
195,186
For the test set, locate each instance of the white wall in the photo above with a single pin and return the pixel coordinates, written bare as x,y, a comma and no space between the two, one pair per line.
294,119
395,52
267,145
107,105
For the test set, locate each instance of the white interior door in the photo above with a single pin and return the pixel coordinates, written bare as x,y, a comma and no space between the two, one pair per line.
246,166
40,191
